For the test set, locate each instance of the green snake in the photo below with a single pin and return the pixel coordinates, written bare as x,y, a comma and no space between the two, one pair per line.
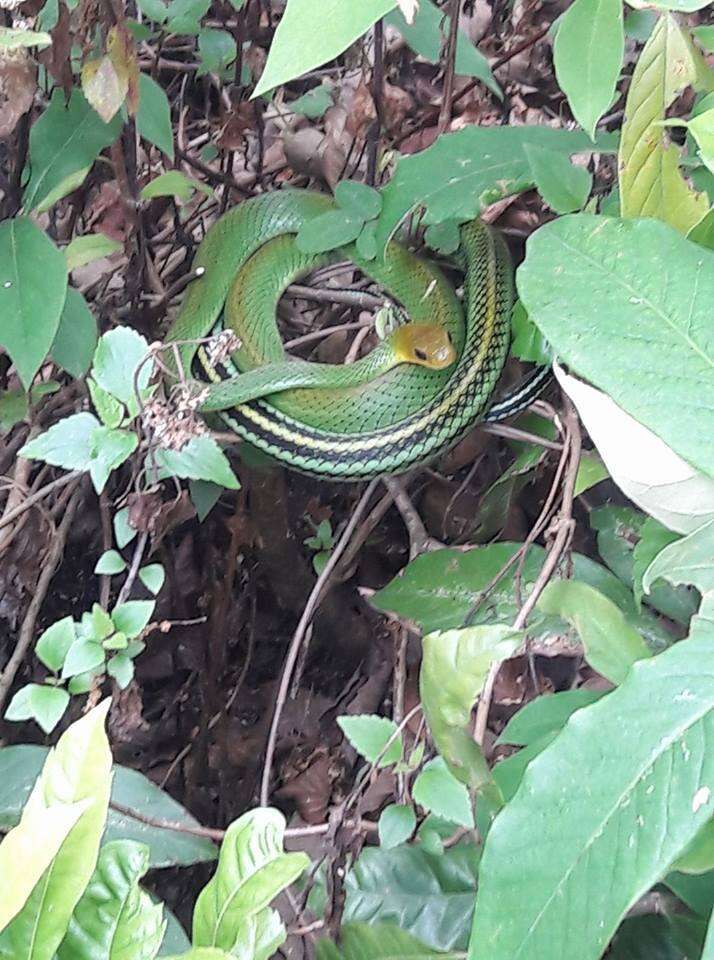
413,397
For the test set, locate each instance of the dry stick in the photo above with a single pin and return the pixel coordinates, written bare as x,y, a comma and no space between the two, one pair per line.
325,332
375,130
448,92
296,642
563,533
50,564
353,298
133,569
39,495
419,539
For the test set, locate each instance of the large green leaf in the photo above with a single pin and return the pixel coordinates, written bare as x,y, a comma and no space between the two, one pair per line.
689,560
34,843
429,896
31,300
153,120
381,941
454,668
252,871
611,644
608,820
440,589
65,141
587,54
651,349
651,184
131,790
115,919
76,338
426,36
546,715
311,34
463,172
78,769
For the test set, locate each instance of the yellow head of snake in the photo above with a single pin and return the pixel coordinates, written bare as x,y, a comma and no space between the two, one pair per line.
426,344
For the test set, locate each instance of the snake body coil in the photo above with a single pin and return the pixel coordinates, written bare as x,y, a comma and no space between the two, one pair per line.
378,416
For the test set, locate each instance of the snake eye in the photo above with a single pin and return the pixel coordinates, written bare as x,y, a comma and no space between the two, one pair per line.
420,354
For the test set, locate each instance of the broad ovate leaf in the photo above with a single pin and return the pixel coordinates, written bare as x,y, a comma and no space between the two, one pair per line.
651,184
31,300
652,343
612,802
587,54
252,871
649,472
33,843
115,919
689,560
310,34
454,668
78,770
64,143
611,644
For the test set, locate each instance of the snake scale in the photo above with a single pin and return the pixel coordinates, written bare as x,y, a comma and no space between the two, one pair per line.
413,397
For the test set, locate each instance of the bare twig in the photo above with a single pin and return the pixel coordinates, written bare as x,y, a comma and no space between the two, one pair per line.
419,539
50,564
448,92
296,642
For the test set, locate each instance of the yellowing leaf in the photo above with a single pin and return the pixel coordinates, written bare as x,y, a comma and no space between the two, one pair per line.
651,184
103,87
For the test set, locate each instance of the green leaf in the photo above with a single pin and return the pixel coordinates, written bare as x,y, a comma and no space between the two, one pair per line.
217,49
651,184
397,823
78,769
101,623
611,644
131,791
443,237
705,35
463,172
175,938
131,617
14,407
53,644
63,142
115,918
702,129
309,35
654,537
31,301
252,871
174,184
428,896
67,444
118,356
427,34
358,199
454,668
328,230
564,186
204,496
34,843
546,715
121,669
153,119
591,471
15,39
110,448
110,563
123,533
643,805
587,52
312,104
44,704
683,6
362,941
438,791
698,856
662,289
152,576
90,247
82,656
185,15
369,735
111,412
440,589
76,338
688,560
527,342
639,24
200,459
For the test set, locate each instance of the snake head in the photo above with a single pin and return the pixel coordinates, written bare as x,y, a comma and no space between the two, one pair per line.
426,344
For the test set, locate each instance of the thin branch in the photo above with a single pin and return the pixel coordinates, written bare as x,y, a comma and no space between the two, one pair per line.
448,92
296,642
